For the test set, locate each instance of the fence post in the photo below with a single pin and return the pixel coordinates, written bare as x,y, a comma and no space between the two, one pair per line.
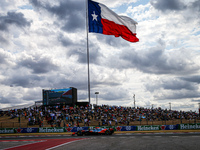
19,120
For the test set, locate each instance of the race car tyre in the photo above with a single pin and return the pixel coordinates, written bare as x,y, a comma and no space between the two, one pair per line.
107,132
111,132
80,133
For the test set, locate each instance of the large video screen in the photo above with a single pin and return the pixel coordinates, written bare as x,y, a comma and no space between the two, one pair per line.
59,96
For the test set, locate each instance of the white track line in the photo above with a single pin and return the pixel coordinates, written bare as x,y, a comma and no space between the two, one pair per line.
63,144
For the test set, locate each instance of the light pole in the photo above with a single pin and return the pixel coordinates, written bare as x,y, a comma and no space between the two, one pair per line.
96,96
134,99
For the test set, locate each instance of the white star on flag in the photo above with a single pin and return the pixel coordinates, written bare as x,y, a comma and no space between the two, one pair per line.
94,16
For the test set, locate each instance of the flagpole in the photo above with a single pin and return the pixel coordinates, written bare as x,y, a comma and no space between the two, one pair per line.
88,58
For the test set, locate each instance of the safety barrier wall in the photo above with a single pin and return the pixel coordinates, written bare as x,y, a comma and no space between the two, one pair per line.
116,128
189,126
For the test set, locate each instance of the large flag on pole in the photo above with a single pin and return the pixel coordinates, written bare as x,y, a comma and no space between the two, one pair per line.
103,20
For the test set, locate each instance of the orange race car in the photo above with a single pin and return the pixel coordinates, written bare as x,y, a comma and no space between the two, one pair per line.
96,131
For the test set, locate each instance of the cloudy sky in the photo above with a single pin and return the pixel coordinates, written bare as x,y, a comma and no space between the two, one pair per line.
43,45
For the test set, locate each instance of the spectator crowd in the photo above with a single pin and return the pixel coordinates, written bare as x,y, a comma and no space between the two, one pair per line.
104,115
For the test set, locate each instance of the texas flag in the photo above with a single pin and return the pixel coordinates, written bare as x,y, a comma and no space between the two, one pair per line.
105,21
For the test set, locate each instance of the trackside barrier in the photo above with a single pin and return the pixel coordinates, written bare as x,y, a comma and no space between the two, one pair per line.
157,127
189,126
18,130
116,128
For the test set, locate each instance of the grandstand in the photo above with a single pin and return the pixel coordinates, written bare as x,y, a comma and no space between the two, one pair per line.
55,116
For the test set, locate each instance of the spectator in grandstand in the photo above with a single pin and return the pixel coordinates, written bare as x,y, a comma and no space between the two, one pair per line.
105,115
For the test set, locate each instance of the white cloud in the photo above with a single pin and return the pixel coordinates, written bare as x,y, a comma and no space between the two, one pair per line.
116,3
49,51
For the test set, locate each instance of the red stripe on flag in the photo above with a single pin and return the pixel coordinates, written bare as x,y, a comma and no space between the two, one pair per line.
111,28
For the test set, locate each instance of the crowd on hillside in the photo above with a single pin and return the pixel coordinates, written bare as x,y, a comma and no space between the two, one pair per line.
105,115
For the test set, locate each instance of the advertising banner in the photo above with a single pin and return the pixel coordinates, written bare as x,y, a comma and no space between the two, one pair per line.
148,128
189,126
116,128
51,130
26,130
125,128
75,129
169,127
7,130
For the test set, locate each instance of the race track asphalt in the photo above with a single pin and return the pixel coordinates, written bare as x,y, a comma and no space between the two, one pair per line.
118,141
